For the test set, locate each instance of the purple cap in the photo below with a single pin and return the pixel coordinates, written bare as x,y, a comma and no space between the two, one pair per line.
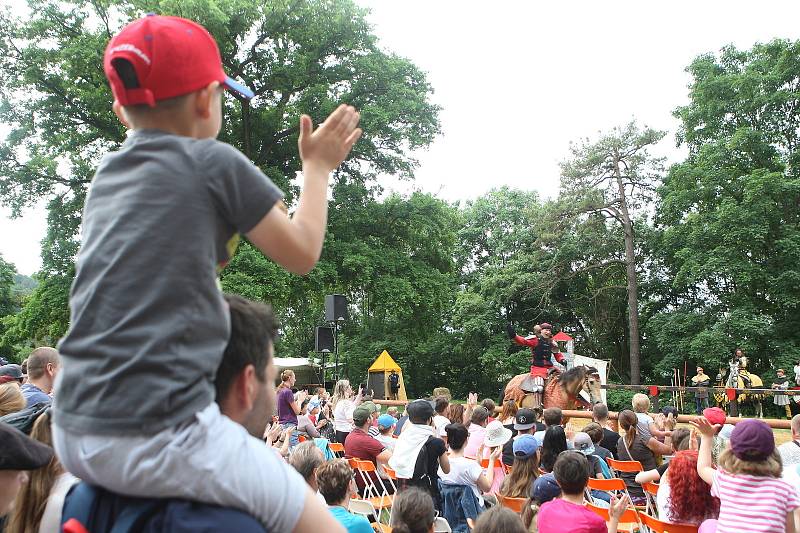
752,440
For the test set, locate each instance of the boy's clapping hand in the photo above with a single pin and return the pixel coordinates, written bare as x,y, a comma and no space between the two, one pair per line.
328,145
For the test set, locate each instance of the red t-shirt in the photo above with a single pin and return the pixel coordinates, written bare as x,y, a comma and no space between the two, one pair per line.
561,516
361,446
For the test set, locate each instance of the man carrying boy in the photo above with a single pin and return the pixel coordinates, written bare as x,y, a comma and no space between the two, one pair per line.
135,412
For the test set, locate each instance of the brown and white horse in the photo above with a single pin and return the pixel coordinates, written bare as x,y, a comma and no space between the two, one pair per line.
577,387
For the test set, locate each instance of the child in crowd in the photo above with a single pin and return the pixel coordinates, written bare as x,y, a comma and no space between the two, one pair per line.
567,513
499,520
646,426
335,481
413,512
748,483
148,321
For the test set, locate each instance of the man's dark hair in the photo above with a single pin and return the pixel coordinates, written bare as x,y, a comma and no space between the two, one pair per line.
441,405
552,416
571,472
457,435
253,328
39,359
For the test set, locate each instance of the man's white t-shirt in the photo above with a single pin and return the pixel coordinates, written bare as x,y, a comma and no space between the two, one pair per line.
440,422
463,471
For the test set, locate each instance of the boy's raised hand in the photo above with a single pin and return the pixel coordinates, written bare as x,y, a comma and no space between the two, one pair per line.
328,145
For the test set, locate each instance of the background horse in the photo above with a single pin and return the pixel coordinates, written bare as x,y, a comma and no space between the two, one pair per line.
742,399
577,387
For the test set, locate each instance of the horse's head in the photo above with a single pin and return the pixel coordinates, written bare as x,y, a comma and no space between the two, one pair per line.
583,381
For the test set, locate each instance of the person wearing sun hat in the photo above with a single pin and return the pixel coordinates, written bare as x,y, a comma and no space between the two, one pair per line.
748,483
495,437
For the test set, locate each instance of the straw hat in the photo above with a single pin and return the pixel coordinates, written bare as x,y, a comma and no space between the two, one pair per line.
496,434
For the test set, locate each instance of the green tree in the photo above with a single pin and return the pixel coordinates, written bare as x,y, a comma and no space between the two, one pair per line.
613,176
297,56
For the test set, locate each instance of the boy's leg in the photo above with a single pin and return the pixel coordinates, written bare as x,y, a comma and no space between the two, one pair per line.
209,459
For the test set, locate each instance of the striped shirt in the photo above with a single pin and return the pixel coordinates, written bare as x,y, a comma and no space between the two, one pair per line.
753,503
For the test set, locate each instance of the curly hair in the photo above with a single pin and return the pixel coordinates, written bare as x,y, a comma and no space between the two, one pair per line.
455,412
690,501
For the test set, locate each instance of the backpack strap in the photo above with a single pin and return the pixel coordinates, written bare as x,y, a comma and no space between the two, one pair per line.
91,509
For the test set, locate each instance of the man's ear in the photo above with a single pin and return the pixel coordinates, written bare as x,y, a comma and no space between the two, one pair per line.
204,99
120,112
249,388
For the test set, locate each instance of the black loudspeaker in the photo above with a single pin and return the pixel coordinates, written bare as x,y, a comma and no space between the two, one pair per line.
323,339
335,307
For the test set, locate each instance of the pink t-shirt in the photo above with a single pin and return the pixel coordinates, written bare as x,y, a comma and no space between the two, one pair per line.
753,503
561,516
476,435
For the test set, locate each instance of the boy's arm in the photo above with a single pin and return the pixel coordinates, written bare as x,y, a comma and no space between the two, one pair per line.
315,517
296,243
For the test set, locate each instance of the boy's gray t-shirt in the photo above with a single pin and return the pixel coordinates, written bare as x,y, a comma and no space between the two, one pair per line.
148,322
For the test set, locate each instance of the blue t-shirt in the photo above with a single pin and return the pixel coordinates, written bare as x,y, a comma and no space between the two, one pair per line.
34,394
353,523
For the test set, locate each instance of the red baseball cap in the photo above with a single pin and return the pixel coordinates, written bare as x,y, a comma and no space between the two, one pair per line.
171,56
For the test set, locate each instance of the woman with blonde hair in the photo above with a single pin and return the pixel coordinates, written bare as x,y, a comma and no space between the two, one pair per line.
38,505
11,399
343,406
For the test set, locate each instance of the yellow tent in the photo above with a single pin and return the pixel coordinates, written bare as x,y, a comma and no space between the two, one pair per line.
379,378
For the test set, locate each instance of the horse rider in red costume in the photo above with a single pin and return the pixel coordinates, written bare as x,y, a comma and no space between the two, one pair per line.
542,348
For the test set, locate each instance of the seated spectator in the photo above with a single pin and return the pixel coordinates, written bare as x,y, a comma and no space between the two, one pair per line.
11,373
306,459
552,417
393,411
386,425
524,424
717,418
18,455
489,405
335,480
519,483
477,431
567,513
440,405
39,504
360,445
11,399
555,442
683,497
374,412
582,442
401,422
44,364
455,413
508,414
305,426
496,436
633,447
413,512
610,436
790,451
463,470
545,489
499,520
418,454
595,432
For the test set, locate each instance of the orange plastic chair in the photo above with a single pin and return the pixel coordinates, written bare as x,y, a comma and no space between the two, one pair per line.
657,526
390,472
651,488
515,504
625,466
337,448
628,522
379,497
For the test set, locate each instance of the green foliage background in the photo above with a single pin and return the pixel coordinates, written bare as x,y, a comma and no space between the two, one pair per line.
717,240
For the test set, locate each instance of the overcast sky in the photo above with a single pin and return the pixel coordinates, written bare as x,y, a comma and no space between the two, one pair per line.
518,80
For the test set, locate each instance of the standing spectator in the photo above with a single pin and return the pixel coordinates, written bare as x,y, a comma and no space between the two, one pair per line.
701,380
524,424
610,437
39,504
477,431
18,454
519,483
440,420
11,399
634,447
752,496
419,454
499,520
360,445
306,459
289,404
44,364
555,442
552,417
343,406
413,512
781,383
335,480
567,513
465,471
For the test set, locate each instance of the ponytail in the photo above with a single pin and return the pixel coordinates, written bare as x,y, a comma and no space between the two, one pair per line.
628,421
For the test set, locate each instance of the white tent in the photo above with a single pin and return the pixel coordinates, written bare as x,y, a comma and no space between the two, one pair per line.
305,371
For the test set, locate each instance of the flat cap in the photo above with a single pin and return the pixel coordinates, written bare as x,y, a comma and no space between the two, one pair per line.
20,452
